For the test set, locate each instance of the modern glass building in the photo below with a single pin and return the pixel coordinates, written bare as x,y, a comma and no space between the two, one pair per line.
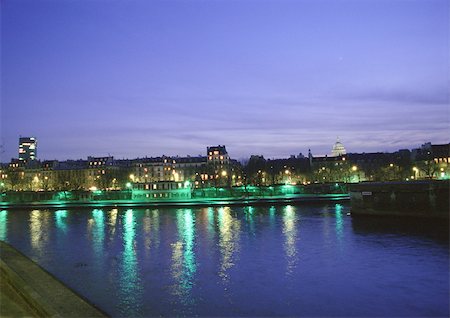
27,148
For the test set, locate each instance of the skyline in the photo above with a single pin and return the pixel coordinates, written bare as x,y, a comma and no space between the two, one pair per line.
275,78
204,154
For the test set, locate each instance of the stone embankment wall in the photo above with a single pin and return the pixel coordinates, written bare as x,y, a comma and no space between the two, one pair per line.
426,198
200,193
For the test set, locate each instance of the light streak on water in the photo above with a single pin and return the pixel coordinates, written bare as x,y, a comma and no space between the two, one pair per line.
290,233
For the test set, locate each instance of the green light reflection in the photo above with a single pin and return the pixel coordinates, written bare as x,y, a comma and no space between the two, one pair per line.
131,286
97,226
272,215
210,213
290,233
3,225
60,220
250,217
339,221
112,224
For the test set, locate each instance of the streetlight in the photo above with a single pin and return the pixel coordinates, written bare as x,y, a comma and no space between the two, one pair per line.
415,172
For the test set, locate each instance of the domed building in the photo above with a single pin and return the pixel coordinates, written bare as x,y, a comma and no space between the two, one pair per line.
338,149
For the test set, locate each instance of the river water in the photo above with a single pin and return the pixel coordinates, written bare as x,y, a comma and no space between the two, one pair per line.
310,260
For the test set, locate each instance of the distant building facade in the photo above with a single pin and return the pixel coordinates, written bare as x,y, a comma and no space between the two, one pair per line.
175,177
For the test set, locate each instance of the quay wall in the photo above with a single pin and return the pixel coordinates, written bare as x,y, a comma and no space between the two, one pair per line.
424,198
84,196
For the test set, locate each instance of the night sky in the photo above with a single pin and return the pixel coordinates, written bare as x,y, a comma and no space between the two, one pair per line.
146,78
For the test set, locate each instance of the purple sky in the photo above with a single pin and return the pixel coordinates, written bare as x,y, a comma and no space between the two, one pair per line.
146,78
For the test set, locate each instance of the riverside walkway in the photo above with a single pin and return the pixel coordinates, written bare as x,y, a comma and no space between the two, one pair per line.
27,290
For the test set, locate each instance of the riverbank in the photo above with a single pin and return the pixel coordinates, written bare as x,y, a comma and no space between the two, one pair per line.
424,198
194,202
28,290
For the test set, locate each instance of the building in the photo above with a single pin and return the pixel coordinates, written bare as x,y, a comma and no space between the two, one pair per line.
161,190
218,162
27,149
338,149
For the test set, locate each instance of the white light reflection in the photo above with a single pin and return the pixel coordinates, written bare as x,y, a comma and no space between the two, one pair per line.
290,233
229,236
39,229
184,264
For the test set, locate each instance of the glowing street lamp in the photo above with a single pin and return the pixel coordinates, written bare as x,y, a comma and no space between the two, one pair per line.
415,172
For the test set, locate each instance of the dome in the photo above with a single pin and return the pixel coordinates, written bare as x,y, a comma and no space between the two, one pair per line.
338,149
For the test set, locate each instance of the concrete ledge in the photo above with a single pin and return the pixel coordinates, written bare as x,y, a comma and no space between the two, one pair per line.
43,294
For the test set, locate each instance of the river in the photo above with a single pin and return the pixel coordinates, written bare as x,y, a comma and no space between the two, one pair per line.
306,260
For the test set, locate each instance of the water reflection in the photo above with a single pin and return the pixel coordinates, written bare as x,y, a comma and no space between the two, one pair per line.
339,209
96,228
250,217
146,228
40,229
60,220
150,226
131,287
229,236
3,225
184,263
272,215
290,233
112,224
210,227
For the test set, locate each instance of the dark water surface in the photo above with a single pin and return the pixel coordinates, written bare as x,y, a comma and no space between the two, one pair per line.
255,261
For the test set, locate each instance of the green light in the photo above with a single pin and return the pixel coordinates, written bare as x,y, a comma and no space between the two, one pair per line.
98,232
3,224
272,212
128,185
129,280
339,220
186,184
60,220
